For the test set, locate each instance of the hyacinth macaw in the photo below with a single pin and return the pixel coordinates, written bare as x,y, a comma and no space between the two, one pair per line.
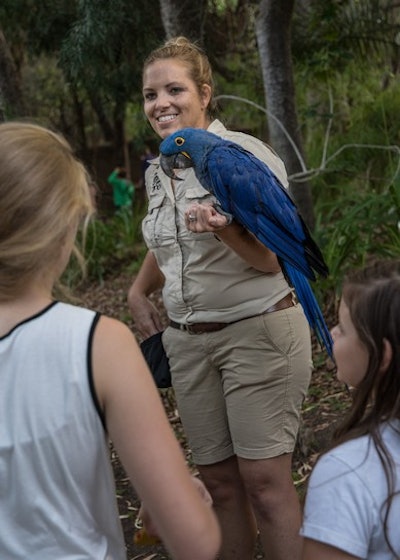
247,189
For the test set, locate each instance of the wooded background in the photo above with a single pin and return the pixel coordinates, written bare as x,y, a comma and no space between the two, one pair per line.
307,76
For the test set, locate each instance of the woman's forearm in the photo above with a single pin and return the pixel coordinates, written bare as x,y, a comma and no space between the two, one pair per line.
247,246
149,278
145,314
205,217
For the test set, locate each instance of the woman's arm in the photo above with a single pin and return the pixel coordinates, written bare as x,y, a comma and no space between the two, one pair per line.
235,236
147,447
247,246
149,279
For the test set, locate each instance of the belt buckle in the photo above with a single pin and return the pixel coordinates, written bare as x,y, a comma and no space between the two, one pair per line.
189,329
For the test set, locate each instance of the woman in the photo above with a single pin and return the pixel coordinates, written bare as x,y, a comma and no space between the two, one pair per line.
69,379
238,345
353,501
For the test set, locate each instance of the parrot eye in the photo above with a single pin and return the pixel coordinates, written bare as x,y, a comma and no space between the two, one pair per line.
179,141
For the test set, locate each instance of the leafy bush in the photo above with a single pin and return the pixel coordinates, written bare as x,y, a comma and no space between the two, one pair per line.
352,142
111,244
356,225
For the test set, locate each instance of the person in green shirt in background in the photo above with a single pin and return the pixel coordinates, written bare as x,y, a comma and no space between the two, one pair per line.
123,189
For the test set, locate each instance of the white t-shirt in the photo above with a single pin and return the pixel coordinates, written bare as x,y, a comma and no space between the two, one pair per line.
346,493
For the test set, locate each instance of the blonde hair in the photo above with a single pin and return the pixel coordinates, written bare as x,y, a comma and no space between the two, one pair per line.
195,59
44,193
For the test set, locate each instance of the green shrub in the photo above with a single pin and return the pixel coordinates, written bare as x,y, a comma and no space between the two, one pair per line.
355,225
111,244
351,132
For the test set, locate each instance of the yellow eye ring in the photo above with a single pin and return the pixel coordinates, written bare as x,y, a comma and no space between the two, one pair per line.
179,141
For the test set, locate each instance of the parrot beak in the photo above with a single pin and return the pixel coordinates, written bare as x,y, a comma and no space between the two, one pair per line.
176,161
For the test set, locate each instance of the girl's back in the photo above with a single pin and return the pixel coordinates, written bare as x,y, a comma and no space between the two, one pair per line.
53,442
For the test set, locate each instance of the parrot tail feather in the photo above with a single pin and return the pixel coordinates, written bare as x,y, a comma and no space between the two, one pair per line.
312,310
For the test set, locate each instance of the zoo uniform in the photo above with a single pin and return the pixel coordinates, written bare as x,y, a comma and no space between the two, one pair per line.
207,282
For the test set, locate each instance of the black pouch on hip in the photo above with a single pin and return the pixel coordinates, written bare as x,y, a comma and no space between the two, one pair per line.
157,360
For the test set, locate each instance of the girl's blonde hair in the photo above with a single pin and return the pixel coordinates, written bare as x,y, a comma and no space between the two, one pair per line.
44,194
195,59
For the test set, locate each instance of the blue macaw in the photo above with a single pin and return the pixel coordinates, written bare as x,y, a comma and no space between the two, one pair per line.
246,188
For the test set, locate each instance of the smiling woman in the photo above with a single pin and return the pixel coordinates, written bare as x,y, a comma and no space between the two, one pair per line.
255,366
172,100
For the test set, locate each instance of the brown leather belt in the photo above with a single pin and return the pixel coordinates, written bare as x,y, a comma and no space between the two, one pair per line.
200,328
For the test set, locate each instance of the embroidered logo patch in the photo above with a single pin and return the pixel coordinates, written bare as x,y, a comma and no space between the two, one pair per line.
156,186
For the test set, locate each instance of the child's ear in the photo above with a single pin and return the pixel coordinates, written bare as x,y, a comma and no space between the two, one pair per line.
387,356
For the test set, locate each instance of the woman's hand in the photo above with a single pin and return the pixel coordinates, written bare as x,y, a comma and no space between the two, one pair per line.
204,217
144,313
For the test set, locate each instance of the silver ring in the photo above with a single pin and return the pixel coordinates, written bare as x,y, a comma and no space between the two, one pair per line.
192,218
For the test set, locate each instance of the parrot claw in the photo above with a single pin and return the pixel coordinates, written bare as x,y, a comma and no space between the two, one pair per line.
229,217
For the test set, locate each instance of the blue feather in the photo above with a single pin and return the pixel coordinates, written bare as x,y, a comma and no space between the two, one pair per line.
246,188
310,305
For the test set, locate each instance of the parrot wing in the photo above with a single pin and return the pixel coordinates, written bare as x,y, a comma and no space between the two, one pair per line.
246,188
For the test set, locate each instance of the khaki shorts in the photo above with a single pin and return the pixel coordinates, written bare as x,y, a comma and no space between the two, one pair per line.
239,390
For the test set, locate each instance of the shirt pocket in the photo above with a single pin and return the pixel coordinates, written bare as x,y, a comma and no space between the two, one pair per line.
158,226
200,195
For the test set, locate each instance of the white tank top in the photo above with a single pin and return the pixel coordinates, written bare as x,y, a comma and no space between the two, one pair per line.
57,491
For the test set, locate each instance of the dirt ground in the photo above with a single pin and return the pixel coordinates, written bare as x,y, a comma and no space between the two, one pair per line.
323,407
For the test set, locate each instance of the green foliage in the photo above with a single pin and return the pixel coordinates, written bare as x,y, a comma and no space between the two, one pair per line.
99,46
138,127
330,34
356,221
111,244
105,47
356,225
47,91
220,7
343,49
37,26
353,147
230,28
241,116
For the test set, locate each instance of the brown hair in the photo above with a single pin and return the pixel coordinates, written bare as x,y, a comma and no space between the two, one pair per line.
195,59
44,194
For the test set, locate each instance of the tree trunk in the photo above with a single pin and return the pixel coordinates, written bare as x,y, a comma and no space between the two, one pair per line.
11,101
184,17
273,30
120,154
98,106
